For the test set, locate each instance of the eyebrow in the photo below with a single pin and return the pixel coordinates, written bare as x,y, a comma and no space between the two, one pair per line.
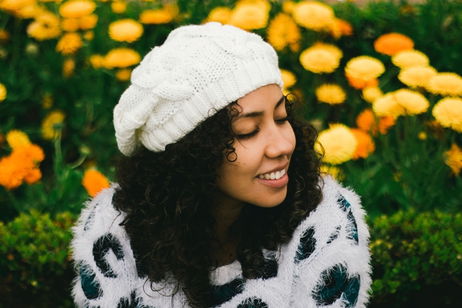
255,114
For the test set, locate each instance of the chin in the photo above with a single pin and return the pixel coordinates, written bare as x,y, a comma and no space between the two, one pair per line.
269,200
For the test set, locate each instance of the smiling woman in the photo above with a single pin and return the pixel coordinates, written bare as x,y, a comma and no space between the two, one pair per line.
219,201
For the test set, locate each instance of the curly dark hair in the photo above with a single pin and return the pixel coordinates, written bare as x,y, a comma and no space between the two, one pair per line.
167,200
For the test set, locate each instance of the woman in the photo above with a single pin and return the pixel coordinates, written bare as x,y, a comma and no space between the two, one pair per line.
219,201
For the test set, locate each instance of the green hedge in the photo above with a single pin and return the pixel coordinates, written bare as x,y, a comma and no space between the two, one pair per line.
416,260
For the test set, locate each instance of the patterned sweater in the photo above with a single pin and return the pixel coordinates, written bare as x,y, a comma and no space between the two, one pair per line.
325,264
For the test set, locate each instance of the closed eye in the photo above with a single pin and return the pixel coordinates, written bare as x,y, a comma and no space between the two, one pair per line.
283,120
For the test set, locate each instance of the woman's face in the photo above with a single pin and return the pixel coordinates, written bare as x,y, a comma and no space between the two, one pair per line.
264,145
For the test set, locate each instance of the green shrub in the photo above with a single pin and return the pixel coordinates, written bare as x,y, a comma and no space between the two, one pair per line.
34,260
417,259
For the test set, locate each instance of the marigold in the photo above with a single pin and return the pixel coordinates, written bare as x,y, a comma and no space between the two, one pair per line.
12,172
159,16
70,24
445,84
30,152
220,14
125,30
118,6
364,68
417,76
385,123
413,102
15,5
448,112
45,27
366,120
410,58
338,144
123,74
16,139
370,94
32,176
333,171
365,144
4,35
388,106
76,8
288,6
453,158
283,31
321,58
88,35
68,67
121,57
94,182
362,84
331,94
250,15
392,43
3,92
313,15
340,28
69,43
97,61
52,125
288,78
88,22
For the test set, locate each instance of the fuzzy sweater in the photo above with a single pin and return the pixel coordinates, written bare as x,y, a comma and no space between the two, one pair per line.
325,264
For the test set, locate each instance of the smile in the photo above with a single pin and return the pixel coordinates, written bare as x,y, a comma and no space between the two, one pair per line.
273,175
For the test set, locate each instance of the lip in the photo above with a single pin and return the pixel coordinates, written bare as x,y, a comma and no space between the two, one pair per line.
276,169
279,183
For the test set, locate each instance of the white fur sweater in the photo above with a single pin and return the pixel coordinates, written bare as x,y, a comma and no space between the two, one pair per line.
326,264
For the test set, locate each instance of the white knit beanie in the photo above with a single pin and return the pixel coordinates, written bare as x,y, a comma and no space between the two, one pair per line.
197,71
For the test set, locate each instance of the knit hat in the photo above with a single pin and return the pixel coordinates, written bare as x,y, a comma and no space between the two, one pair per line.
197,71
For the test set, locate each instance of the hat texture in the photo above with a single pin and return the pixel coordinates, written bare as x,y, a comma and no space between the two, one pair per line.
197,71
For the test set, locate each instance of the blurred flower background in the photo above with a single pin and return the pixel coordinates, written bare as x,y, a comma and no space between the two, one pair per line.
380,81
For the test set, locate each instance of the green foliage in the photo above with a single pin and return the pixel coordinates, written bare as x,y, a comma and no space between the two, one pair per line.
35,260
417,259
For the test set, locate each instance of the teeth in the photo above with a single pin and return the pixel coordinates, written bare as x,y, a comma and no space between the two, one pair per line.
273,175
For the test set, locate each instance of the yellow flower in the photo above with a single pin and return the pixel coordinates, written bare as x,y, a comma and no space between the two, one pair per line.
410,58
313,15
453,158
69,43
387,106
125,30
121,57
15,5
321,58
70,24
220,14
331,94
417,76
364,68
334,171
88,22
45,27
288,78
88,35
283,31
3,92
159,16
118,6
68,67
250,15
94,181
370,94
338,144
448,112
51,125
445,84
77,8
413,102
17,139
97,61
123,74
4,35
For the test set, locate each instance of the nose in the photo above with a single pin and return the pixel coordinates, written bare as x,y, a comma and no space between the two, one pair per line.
280,142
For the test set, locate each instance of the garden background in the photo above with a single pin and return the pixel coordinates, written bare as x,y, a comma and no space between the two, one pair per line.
381,81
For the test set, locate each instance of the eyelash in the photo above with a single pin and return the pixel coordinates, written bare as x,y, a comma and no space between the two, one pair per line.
250,135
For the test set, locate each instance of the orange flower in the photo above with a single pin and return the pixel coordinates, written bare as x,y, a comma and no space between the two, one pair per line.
365,145
31,152
392,43
340,27
94,182
361,84
366,120
385,123
33,176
